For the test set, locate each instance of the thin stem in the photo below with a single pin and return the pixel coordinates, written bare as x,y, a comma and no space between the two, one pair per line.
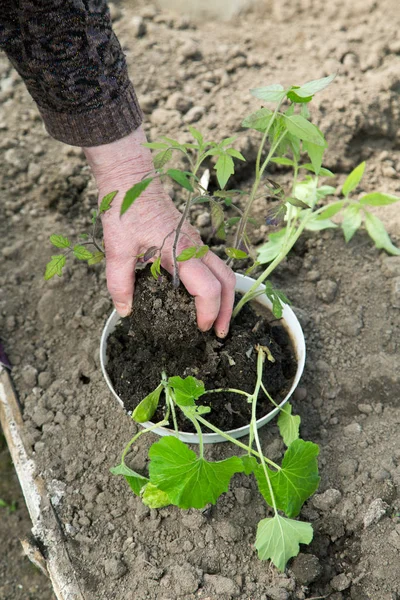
135,437
233,390
170,402
200,434
175,279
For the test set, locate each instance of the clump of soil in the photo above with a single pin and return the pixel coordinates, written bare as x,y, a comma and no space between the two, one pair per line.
162,335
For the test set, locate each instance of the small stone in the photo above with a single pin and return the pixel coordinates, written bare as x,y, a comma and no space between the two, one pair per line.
243,496
340,582
391,266
41,416
352,429
48,307
394,537
228,531
186,579
17,159
366,409
327,500
222,585
276,593
395,292
29,375
101,307
306,568
34,171
138,27
348,467
115,568
203,220
177,101
44,379
388,171
313,276
189,51
326,290
375,512
147,103
194,114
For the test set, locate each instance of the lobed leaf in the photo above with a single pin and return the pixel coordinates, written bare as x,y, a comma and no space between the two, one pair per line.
133,194
196,135
353,179
258,120
82,253
186,390
278,539
97,257
235,154
59,241
377,232
288,424
105,204
161,159
225,167
271,93
148,406
153,497
55,266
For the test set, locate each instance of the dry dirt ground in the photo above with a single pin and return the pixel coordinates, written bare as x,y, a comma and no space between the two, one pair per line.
347,298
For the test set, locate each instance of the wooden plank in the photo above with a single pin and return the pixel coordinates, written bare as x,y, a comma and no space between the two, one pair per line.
46,528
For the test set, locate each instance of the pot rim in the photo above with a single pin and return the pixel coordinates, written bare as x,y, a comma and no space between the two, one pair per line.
292,326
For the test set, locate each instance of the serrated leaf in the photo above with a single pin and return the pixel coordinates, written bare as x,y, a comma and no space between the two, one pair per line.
378,199
235,154
155,268
312,87
289,425
353,179
105,204
316,153
225,167
148,406
217,214
278,539
304,130
202,251
271,249
186,390
235,253
133,194
331,210
352,220
59,241
377,232
187,254
227,141
135,481
258,120
55,266
189,481
161,159
196,135
181,178
153,497
297,479
97,257
82,253
283,161
271,93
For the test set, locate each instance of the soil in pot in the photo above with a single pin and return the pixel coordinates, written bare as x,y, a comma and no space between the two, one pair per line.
161,335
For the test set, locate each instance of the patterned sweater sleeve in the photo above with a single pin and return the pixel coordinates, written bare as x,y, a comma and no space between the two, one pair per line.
73,66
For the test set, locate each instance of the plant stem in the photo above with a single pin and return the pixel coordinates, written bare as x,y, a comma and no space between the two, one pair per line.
233,390
137,435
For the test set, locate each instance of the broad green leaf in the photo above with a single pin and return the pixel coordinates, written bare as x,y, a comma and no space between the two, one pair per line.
352,220
293,97
278,539
196,135
155,145
155,268
225,168
202,251
161,159
283,161
97,257
235,253
353,179
377,232
378,199
105,204
55,266
323,171
325,190
189,481
173,143
270,93
59,241
304,130
316,153
235,154
258,120
331,210
134,480
221,233
192,411
298,203
181,178
82,253
297,479
187,254
288,424
217,214
249,464
133,194
153,497
316,224
277,298
271,249
148,406
312,87
186,390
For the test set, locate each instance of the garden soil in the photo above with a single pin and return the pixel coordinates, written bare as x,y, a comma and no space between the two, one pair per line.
347,298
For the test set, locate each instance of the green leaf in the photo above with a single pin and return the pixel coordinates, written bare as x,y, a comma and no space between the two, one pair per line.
186,390
377,232
288,424
353,179
323,171
196,135
352,220
316,224
312,87
235,154
217,214
297,479
59,241
227,141
277,298
258,120
153,497
225,168
378,199
105,204
278,539
283,161
155,268
135,480
83,236
298,203
181,178
235,253
202,251
271,93
249,464
271,249
133,194
97,257
293,97
304,130
187,254
55,266
162,158
331,210
82,253
315,153
148,406
190,482
94,216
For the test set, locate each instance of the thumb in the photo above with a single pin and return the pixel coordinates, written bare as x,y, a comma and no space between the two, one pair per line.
120,273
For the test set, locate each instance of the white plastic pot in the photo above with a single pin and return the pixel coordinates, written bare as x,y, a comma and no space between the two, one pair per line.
289,321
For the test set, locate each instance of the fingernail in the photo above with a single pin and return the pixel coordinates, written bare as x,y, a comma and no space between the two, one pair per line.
123,309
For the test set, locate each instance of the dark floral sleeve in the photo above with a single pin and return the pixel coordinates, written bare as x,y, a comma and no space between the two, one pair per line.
73,66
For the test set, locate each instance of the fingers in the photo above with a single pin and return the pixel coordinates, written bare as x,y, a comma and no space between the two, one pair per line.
227,279
120,273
